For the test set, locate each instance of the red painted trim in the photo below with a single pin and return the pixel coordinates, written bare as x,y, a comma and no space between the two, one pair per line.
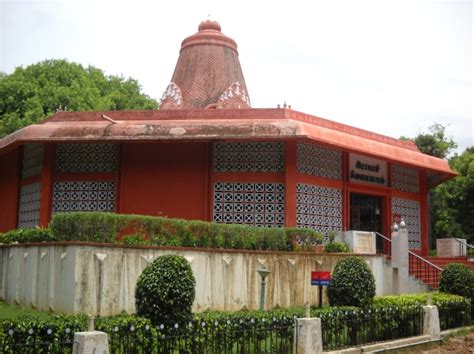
211,180
263,177
29,180
46,201
345,193
406,195
118,180
367,189
424,227
19,167
66,177
320,181
208,168
290,183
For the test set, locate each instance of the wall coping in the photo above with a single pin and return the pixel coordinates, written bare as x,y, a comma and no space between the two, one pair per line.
175,248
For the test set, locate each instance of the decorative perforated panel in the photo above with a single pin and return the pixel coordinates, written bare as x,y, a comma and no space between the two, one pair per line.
84,196
32,160
409,210
249,157
319,208
86,157
405,179
256,204
30,201
318,161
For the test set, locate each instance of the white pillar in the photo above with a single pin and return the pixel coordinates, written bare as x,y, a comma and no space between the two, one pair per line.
431,324
91,342
308,336
400,260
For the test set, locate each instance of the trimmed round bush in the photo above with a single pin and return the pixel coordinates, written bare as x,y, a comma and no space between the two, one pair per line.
457,279
165,292
353,283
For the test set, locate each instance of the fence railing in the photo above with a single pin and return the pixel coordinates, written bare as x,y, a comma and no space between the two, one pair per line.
15,342
453,315
352,328
341,328
424,270
252,336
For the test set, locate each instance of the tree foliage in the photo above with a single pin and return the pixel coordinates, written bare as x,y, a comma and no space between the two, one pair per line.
435,143
457,279
35,92
452,202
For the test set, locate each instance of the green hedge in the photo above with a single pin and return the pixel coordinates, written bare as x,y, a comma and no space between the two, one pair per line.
336,247
149,230
27,236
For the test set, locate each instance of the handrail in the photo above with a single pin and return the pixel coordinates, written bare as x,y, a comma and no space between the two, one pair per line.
384,237
464,243
425,260
419,266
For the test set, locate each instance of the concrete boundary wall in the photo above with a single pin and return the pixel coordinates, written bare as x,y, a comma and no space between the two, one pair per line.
100,280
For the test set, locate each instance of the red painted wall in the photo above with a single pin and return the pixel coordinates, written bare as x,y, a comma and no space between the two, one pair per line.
9,177
167,179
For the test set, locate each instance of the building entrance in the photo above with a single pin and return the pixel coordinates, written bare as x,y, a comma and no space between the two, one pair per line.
366,212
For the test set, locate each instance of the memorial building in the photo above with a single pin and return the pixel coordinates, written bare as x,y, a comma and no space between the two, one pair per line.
207,155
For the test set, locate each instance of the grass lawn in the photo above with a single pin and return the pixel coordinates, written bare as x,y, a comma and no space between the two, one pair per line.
11,311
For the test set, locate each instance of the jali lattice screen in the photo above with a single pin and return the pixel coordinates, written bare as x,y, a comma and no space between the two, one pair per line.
409,210
249,156
29,211
86,157
405,178
256,204
319,208
84,196
318,161
32,160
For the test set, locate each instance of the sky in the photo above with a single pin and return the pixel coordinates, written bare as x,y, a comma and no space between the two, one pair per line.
392,67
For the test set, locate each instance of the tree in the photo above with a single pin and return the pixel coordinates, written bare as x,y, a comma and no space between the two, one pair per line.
435,143
31,94
452,202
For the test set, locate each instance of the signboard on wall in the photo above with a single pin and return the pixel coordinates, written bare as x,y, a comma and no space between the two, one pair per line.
320,278
364,169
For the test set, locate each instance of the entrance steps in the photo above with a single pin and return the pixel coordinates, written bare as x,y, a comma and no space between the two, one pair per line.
430,277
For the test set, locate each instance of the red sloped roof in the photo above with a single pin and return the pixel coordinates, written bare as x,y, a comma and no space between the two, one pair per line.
216,124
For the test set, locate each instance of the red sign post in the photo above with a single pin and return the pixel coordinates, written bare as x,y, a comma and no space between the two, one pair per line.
321,279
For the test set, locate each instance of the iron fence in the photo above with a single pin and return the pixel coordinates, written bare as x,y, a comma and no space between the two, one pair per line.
356,327
455,314
28,342
244,336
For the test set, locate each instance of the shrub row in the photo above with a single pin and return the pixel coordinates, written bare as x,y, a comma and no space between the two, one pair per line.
149,230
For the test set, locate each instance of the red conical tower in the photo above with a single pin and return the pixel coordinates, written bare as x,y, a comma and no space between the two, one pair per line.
208,73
